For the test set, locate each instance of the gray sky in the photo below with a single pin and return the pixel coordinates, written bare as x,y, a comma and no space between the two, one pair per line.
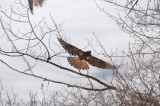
82,18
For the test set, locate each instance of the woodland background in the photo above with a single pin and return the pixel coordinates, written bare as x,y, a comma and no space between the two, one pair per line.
34,70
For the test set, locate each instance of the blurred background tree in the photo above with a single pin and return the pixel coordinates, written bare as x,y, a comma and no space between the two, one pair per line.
135,82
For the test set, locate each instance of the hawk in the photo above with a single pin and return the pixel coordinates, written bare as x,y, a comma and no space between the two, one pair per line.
82,57
34,2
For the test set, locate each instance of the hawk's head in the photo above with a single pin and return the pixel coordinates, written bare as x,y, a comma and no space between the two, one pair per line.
84,55
88,53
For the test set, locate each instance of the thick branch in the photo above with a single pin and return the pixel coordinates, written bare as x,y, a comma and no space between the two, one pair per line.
59,82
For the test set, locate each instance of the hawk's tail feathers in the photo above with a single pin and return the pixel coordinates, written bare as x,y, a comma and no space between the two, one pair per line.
77,63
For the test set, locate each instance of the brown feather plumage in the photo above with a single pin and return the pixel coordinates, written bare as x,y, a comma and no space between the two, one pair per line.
99,63
77,63
34,3
30,2
80,62
70,48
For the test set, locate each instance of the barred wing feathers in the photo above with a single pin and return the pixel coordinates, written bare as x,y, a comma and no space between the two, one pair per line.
70,48
99,63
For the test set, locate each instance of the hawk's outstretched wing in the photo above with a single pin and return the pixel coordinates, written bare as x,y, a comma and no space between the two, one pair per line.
99,63
34,2
70,48
85,57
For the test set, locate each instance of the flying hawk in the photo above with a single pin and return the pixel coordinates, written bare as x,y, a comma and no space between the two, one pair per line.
34,2
82,57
